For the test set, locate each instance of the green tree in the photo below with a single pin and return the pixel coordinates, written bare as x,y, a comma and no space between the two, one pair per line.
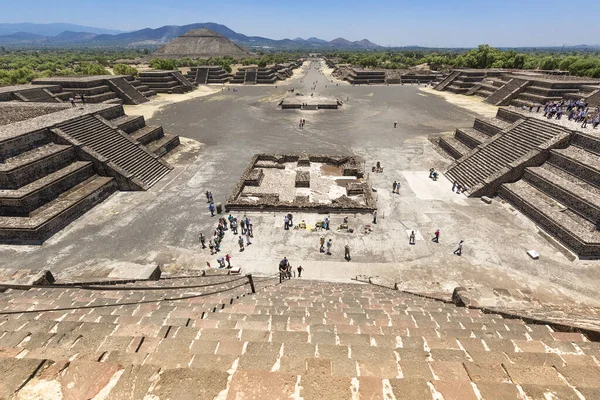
122,69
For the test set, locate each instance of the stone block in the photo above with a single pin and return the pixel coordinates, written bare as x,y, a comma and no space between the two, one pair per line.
254,177
533,254
486,200
302,179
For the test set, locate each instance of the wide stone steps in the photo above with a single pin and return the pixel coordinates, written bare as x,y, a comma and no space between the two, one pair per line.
567,189
129,123
164,144
20,202
38,95
30,165
317,340
443,84
56,214
148,134
577,161
553,217
471,137
117,148
454,147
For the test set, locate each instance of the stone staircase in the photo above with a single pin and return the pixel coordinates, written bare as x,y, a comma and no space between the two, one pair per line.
447,81
153,137
44,186
137,161
507,92
301,339
503,158
467,139
125,90
165,81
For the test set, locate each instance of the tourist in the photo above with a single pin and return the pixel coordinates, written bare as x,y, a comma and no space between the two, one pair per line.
207,196
217,244
243,225
585,121
283,266
202,240
326,223
596,121
248,242
375,216
290,220
211,246
322,243
458,251
329,244
241,243
436,236
211,208
347,252
454,185
210,197
431,170
250,230
286,222
82,99
411,238
247,223
395,124
234,226
300,269
394,187
228,259
72,101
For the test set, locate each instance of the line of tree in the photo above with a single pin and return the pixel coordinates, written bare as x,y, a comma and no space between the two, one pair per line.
484,56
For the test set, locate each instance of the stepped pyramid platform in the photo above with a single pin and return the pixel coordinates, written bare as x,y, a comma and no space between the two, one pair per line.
107,89
505,155
30,93
201,43
300,339
61,161
204,75
166,81
366,77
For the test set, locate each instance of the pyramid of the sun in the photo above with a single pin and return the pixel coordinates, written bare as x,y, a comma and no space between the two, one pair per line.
201,43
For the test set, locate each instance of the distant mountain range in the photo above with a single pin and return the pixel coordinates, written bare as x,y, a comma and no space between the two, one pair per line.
74,36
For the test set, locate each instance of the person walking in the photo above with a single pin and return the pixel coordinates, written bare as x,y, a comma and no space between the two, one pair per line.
454,185
211,208
243,225
411,238
250,230
394,187
248,242
347,252
329,244
458,251
395,124
241,243
375,216
202,241
300,269
286,223
436,235
72,101
228,259
234,226
326,223
82,99
322,242
211,246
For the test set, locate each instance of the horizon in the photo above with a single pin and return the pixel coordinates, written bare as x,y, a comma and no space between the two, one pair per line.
462,24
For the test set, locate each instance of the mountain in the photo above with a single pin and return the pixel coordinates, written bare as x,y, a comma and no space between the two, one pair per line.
154,38
51,29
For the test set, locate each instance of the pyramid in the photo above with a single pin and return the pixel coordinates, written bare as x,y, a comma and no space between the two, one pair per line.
201,43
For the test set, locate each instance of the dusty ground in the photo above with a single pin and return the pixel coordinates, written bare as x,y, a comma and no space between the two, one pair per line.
221,131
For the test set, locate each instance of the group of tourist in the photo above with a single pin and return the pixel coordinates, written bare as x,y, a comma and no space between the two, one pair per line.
223,225
458,187
81,97
577,111
302,123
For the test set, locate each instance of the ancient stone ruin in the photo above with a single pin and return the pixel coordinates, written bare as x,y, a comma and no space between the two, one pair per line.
319,183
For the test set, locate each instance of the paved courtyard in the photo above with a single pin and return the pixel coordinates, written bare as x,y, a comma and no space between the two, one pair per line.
222,131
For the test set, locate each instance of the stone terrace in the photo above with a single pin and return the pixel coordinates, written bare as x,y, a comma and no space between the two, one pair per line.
301,339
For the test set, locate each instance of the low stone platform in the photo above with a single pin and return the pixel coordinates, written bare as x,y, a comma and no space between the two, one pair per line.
302,182
313,103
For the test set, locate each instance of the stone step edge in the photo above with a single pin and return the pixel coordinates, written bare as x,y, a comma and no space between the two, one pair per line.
460,299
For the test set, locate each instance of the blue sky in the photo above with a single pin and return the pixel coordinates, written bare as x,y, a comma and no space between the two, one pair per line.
433,23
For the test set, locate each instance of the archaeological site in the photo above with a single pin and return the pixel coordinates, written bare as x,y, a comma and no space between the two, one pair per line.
221,218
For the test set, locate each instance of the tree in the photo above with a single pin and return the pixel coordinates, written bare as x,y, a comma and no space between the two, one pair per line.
163,63
122,69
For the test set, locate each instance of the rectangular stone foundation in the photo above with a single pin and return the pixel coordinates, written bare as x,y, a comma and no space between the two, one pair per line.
320,183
